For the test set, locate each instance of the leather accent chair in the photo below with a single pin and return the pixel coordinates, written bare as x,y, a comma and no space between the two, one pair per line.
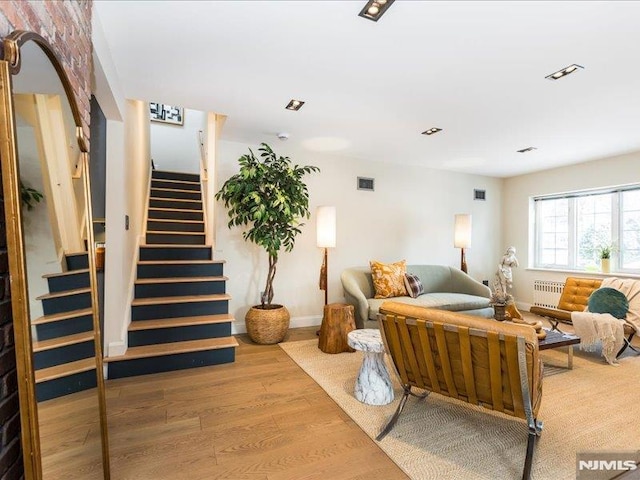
574,298
479,361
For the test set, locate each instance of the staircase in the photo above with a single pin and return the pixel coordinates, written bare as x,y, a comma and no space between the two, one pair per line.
180,312
64,354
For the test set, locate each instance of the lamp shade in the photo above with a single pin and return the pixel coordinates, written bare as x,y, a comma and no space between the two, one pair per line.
326,227
462,231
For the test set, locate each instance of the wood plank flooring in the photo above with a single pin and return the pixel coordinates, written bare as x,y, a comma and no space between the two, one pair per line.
260,418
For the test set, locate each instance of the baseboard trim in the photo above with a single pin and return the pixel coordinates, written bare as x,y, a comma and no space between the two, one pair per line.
238,326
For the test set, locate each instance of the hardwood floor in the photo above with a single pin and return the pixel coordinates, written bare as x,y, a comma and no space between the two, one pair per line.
259,418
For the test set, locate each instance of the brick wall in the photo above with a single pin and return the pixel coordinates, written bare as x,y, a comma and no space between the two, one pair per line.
67,26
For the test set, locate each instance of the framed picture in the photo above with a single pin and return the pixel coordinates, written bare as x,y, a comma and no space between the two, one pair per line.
166,113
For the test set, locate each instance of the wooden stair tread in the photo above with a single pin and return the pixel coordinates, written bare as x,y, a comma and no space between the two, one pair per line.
178,262
66,293
65,370
75,254
157,170
56,317
173,220
147,281
175,181
172,232
62,341
174,348
63,274
138,325
176,199
179,299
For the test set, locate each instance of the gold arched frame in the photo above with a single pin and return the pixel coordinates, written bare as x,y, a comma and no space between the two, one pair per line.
10,65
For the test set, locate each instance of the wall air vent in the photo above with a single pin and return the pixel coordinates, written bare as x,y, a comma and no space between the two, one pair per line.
479,194
365,183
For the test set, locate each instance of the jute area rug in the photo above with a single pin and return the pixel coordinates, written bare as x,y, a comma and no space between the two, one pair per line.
594,407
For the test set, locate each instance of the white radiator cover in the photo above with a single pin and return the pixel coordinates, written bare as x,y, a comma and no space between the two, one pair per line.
546,293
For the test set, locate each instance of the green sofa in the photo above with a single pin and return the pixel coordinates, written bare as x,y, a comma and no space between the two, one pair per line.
446,288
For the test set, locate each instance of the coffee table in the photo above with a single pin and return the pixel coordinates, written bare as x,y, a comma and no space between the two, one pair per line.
556,339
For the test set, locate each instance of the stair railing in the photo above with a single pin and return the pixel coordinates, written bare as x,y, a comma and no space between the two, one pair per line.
204,184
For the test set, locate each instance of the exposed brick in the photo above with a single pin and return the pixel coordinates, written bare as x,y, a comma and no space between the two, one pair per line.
4,261
8,407
7,335
7,360
9,455
11,429
5,312
9,384
16,471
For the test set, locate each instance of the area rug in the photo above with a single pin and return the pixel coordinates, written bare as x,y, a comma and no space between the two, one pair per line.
594,407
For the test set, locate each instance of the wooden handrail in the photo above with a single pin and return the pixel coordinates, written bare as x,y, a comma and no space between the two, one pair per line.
203,155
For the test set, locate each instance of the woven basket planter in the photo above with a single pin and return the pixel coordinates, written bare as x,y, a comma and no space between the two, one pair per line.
268,325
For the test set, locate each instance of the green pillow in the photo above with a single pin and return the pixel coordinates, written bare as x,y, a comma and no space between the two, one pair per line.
609,300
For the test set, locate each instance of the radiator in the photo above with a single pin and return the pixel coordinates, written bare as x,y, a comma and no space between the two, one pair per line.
546,293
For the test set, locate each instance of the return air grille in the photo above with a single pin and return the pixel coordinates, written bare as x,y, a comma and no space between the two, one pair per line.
366,184
479,194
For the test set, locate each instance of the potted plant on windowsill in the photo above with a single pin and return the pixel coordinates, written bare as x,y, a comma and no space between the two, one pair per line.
269,198
604,252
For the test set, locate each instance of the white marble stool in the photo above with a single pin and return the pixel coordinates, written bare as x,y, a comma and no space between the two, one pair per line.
373,385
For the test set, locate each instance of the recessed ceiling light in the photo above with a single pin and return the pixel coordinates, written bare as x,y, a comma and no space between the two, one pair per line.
374,9
431,131
295,105
564,72
525,150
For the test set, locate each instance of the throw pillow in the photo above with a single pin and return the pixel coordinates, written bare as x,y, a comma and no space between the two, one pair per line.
609,300
388,278
413,285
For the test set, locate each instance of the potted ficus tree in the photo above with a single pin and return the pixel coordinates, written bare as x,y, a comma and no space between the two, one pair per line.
267,197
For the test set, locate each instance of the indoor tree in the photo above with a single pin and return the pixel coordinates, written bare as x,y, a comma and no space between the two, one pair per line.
269,198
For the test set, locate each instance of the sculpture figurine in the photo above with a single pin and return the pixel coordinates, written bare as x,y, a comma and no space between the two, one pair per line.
502,300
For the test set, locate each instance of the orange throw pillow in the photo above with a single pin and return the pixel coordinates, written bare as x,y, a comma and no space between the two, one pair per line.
388,278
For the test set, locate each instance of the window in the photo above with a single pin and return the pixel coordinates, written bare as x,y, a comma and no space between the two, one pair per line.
571,228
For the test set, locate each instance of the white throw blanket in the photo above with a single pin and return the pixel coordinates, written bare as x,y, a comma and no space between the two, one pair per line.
594,328
631,289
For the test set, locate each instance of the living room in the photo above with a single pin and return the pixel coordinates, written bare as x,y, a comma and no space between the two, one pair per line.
491,99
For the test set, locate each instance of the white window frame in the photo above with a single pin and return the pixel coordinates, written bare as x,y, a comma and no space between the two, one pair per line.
616,228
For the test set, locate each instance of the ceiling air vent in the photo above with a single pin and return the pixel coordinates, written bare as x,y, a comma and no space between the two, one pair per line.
365,183
479,194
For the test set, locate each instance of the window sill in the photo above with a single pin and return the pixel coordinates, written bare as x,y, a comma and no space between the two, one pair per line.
585,273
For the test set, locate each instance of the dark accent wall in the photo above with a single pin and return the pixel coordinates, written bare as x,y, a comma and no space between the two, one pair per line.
67,26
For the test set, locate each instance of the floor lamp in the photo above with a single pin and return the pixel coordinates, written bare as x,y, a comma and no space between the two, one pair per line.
326,238
462,237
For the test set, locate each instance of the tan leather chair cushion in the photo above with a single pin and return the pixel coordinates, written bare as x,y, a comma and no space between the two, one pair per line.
576,292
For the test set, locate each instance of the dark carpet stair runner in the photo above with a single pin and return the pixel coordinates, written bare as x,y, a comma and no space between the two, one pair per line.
64,353
180,312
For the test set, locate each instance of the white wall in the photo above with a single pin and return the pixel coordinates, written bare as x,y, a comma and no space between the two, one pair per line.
410,216
128,171
619,170
175,147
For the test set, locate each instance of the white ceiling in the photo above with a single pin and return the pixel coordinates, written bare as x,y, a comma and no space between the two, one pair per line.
475,69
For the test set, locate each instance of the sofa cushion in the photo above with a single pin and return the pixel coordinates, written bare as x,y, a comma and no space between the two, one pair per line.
413,285
388,278
453,302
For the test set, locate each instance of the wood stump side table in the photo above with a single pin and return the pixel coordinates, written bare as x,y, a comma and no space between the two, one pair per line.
373,385
337,322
